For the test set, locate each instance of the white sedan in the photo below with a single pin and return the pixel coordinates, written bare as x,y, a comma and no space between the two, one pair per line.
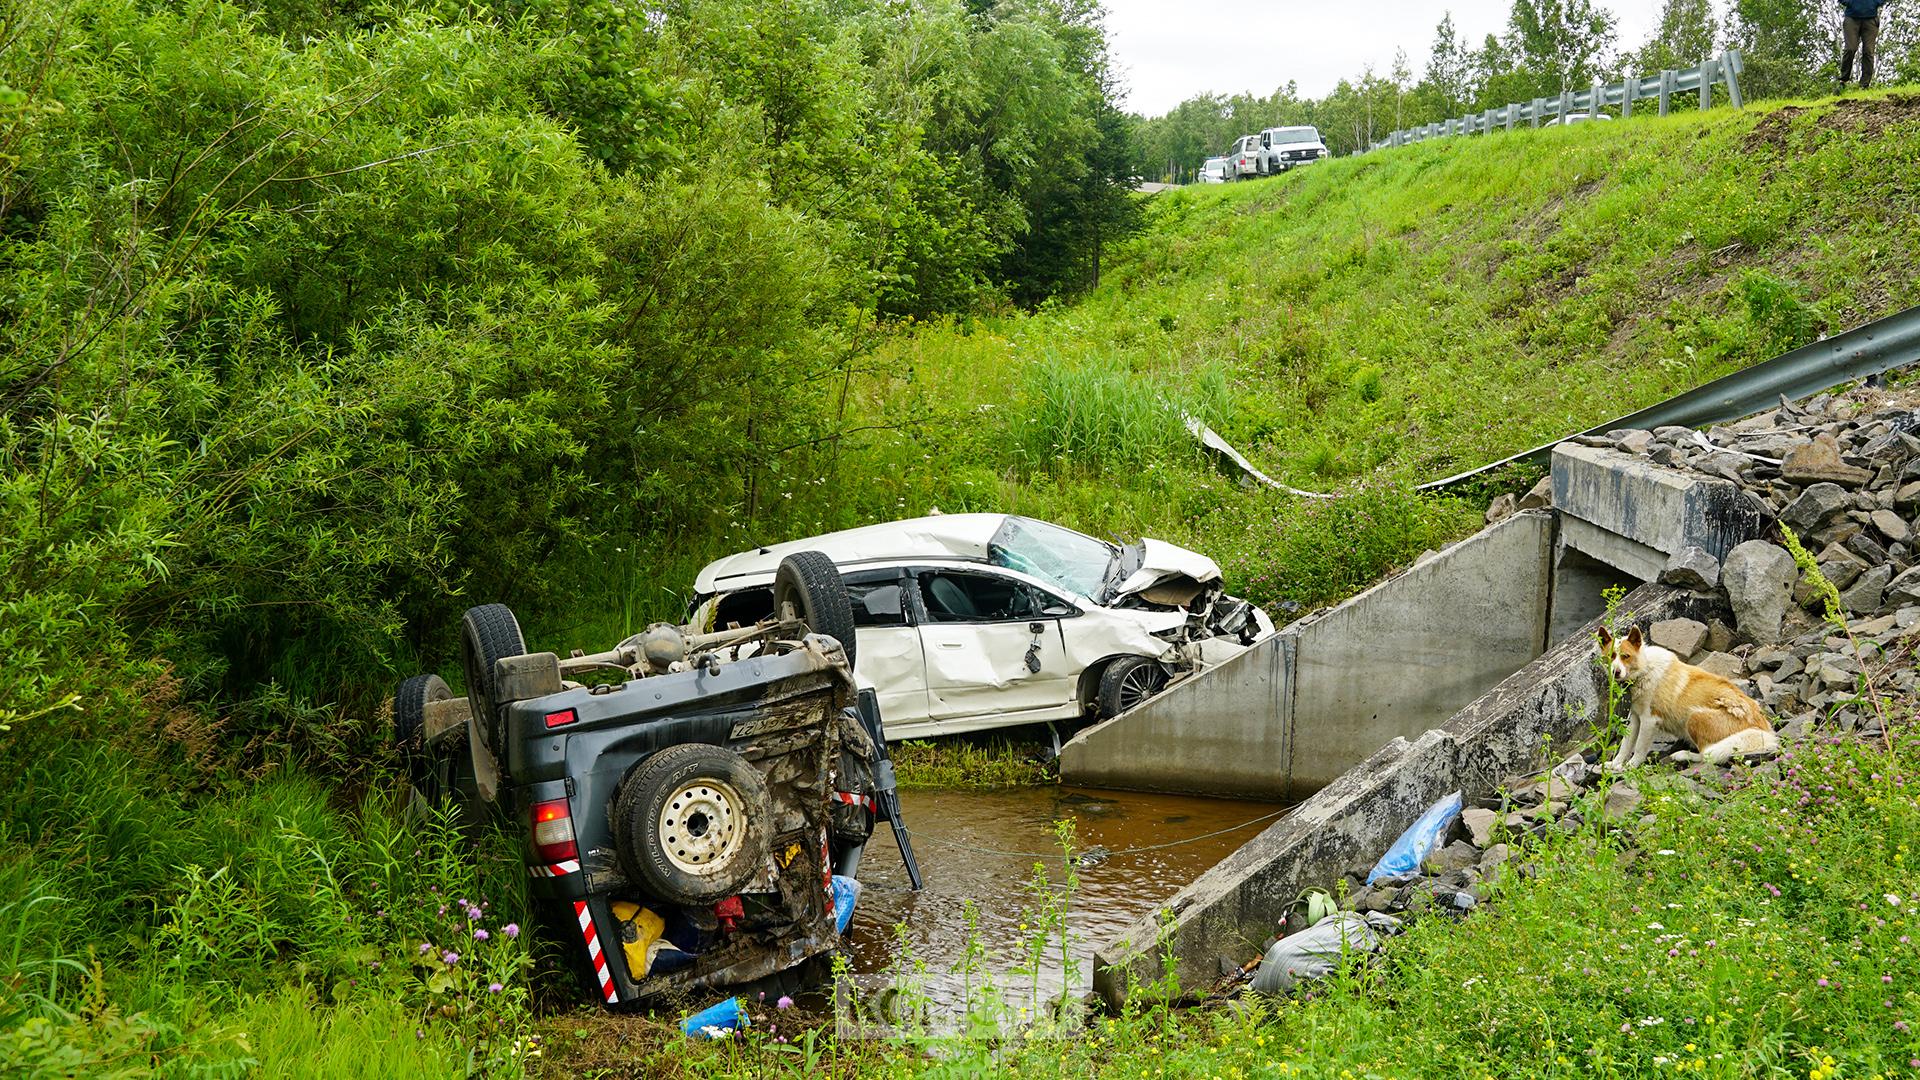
974,621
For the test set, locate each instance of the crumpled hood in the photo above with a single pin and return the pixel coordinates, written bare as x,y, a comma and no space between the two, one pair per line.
1165,563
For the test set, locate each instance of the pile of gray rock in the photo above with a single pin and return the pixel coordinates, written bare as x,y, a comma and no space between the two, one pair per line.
1843,473
1482,843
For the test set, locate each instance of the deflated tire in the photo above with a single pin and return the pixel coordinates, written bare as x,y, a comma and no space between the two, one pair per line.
691,824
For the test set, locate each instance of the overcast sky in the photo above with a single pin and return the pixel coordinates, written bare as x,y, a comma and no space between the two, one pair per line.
1171,50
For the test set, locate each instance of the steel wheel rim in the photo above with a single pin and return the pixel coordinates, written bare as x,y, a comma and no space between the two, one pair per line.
1140,684
701,826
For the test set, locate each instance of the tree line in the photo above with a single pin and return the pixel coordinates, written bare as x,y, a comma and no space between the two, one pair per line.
1791,48
319,318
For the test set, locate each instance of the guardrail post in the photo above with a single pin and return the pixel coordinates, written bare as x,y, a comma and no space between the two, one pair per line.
1486,125
1566,105
1730,63
1706,84
1627,91
1666,90
1538,104
1599,98
1510,110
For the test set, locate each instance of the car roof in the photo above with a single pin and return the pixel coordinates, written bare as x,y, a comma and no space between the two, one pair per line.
951,536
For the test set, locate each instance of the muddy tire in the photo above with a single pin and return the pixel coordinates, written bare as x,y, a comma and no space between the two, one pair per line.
811,583
410,700
488,633
691,824
1127,682
431,774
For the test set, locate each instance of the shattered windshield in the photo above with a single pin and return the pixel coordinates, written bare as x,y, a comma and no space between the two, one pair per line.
1061,557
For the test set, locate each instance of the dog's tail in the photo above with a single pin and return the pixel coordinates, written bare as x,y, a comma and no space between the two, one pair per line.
1744,741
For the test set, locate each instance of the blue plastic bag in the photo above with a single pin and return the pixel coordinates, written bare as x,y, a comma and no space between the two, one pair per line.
716,1021
1408,852
846,893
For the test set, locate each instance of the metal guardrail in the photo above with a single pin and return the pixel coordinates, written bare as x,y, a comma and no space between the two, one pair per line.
1872,349
1662,87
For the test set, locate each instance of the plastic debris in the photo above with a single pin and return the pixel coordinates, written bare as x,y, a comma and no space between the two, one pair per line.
717,1021
1315,951
1410,850
846,893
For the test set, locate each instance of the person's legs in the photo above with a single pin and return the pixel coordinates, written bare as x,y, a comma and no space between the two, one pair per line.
1850,37
1869,37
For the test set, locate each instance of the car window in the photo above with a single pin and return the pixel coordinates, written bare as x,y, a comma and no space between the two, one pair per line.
878,603
951,596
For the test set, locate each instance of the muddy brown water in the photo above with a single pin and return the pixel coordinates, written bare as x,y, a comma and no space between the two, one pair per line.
959,837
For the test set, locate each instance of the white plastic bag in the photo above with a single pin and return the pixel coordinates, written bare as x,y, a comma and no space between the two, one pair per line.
1315,951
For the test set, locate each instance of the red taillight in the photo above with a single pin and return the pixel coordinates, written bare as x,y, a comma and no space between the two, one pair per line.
553,831
561,718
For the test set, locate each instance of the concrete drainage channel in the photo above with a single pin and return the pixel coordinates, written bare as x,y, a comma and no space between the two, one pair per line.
1470,667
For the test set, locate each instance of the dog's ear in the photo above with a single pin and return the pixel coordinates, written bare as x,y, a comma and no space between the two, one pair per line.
1606,639
1633,637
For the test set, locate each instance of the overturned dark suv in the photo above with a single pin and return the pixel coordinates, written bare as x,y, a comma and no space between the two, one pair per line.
694,806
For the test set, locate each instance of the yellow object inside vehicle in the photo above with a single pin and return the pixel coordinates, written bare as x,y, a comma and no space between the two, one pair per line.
640,931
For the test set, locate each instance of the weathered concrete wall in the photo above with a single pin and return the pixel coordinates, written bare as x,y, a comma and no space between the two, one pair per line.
1632,514
1402,656
1520,724
1328,691
1228,732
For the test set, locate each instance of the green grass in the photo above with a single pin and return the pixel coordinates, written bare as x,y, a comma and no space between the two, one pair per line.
970,763
1379,320
1766,931
1356,326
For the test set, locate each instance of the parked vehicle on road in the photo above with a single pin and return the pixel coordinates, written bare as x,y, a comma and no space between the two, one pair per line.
1247,159
693,805
1292,147
967,622
1214,171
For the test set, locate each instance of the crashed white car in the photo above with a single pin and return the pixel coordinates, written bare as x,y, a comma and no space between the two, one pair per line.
974,621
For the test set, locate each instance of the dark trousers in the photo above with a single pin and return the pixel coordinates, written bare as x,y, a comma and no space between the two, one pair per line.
1860,36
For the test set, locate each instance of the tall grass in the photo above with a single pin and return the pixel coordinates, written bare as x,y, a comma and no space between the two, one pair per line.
1096,415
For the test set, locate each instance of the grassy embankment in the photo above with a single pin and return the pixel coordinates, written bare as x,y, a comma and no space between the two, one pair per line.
1763,930
1356,325
1364,324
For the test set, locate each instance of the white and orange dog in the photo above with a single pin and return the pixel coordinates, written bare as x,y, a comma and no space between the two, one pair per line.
1668,694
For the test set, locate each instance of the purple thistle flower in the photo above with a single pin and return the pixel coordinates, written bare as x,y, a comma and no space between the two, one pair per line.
451,958
480,935
785,1002
512,930
494,988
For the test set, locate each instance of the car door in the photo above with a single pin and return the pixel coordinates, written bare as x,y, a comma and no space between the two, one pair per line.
984,634
890,655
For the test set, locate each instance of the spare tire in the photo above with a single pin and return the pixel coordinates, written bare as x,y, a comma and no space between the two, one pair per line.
691,824
488,633
811,583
